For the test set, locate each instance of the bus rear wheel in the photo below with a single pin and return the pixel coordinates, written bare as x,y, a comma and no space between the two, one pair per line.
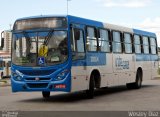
138,83
45,94
90,91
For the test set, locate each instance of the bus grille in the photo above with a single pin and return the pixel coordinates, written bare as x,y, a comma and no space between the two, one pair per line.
40,79
37,72
40,85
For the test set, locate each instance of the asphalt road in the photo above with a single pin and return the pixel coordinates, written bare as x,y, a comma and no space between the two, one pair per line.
112,99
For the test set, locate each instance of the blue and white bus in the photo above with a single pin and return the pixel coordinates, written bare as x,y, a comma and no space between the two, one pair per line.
68,53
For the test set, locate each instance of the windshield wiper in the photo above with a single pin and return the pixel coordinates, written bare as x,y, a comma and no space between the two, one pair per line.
27,37
48,37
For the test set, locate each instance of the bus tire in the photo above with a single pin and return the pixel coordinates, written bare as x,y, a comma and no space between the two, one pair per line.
45,94
130,85
90,91
138,83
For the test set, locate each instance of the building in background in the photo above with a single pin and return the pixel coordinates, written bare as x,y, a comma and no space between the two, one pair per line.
7,41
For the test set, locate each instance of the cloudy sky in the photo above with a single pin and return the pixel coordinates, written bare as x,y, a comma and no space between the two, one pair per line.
141,14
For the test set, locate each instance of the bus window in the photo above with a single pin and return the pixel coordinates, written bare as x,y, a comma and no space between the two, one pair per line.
145,44
1,64
153,46
77,44
91,39
9,63
137,44
117,44
104,42
128,43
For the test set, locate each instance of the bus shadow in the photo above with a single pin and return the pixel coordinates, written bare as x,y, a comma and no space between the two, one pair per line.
78,96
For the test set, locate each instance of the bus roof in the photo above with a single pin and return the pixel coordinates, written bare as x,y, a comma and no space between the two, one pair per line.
75,19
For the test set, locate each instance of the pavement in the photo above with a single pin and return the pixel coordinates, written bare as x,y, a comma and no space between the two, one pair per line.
5,82
107,99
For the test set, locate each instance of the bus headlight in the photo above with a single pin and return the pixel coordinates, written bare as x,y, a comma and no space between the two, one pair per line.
16,76
62,75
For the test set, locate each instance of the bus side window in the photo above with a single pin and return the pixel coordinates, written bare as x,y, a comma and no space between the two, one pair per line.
137,44
117,43
91,43
153,45
128,43
77,44
145,45
104,41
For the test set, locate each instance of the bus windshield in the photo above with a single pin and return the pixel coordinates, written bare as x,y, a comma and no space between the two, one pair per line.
39,48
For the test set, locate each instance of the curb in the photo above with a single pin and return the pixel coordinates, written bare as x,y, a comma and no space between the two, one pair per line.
156,78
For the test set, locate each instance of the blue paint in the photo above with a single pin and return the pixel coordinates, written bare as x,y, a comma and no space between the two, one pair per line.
96,59
52,71
1,68
78,20
92,59
146,57
144,33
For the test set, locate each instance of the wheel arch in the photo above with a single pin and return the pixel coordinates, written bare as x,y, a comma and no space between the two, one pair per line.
140,70
97,77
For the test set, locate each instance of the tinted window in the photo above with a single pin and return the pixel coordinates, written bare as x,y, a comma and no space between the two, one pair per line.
145,45
116,44
77,44
137,44
104,43
91,39
153,46
128,43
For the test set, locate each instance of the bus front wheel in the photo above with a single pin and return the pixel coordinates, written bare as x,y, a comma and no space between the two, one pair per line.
45,94
90,91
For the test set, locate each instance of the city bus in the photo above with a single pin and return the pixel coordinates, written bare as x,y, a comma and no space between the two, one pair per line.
69,54
5,66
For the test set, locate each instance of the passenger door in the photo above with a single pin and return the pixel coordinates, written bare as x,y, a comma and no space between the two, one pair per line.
78,71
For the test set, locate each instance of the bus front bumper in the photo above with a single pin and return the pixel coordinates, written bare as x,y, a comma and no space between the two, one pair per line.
22,86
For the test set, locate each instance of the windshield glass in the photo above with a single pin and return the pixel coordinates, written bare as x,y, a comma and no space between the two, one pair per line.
39,48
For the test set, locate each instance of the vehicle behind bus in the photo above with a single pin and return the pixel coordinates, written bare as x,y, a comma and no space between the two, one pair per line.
5,67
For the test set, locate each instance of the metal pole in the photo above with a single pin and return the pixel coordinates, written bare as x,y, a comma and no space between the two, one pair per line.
68,6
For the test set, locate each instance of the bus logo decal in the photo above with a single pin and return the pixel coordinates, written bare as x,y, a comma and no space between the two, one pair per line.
37,79
121,64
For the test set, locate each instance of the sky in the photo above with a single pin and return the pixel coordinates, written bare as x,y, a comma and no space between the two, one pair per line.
141,14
